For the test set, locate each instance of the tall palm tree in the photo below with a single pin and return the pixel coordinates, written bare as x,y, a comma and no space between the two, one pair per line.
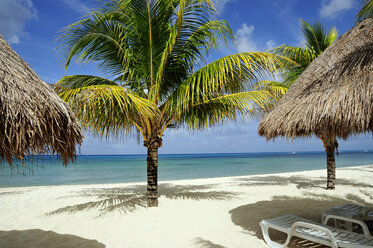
366,10
154,55
316,41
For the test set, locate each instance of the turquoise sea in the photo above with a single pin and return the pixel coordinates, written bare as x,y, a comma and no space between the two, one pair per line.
97,169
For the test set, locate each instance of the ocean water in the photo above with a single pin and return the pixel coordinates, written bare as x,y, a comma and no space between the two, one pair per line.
97,169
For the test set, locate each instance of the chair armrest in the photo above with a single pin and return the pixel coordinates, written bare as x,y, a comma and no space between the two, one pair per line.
314,227
265,225
359,222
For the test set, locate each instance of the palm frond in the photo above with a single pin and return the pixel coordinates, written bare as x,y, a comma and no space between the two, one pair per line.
78,81
192,36
225,107
99,39
297,54
230,74
317,38
106,109
276,89
365,12
331,36
184,52
302,58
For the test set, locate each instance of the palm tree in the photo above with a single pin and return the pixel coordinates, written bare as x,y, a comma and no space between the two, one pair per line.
316,41
154,55
366,10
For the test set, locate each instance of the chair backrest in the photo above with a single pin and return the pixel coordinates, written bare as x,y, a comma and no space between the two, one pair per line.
294,225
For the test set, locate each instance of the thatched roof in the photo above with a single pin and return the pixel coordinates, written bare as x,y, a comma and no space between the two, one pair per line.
33,119
333,96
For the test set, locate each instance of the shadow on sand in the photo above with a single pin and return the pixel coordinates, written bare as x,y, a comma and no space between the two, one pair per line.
202,243
36,238
128,199
309,206
248,216
300,182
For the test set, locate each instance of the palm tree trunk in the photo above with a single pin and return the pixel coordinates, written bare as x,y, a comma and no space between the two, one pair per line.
330,146
152,172
152,169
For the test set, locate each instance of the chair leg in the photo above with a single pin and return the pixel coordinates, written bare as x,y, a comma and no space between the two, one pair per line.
268,240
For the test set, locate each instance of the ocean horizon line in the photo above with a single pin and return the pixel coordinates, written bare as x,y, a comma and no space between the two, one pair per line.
221,153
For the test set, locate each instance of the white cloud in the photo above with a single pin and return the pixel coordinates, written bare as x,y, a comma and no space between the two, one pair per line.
13,17
220,4
79,6
245,42
332,8
270,44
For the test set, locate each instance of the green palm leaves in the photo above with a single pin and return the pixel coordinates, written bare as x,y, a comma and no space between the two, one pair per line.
153,53
316,40
103,106
228,91
316,37
366,11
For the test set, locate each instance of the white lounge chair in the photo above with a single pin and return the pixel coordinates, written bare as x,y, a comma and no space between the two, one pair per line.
356,209
352,211
295,226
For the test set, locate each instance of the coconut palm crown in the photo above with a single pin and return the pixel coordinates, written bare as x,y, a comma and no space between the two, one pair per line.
316,40
154,55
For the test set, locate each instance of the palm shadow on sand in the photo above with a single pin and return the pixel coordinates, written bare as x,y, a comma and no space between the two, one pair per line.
36,238
128,199
202,243
299,181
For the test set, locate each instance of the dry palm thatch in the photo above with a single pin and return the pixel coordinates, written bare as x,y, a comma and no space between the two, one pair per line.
334,95
33,119
332,98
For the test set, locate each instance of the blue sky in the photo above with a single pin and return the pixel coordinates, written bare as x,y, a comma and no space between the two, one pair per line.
31,27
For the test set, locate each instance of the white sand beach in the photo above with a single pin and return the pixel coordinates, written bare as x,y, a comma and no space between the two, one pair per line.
204,213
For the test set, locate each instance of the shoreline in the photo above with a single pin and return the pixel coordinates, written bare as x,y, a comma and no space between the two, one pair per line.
181,181
104,170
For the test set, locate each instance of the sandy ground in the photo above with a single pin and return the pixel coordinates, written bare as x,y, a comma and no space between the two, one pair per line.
206,213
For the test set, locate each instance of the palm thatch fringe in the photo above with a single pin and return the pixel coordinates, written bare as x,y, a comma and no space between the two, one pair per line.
334,95
33,119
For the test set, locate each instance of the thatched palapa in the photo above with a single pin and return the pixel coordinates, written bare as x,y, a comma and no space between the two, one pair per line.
334,95
33,119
